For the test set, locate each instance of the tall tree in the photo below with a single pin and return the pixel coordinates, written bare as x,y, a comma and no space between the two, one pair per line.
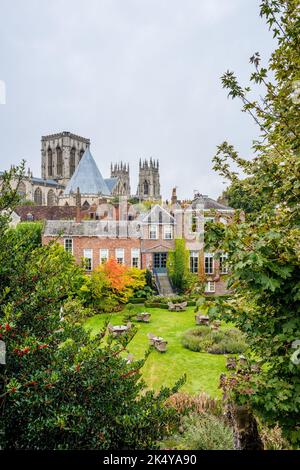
264,251
60,388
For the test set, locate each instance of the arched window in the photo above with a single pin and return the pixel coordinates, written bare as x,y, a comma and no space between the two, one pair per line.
50,162
72,161
146,187
22,190
59,161
51,198
38,197
86,205
81,154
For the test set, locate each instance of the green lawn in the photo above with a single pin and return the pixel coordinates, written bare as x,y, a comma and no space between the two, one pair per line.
202,369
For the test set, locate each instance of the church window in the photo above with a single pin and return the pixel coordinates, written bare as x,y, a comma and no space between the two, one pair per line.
72,161
51,198
59,161
38,197
50,162
146,187
22,190
81,154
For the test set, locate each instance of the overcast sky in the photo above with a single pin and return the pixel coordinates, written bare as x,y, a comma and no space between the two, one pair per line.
140,78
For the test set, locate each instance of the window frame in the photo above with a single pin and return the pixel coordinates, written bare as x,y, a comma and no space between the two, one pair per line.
209,256
85,258
101,257
134,252
192,261
65,245
224,256
156,232
169,231
118,257
210,290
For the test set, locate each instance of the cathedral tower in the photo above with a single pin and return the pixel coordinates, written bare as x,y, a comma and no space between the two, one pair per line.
120,171
61,154
149,185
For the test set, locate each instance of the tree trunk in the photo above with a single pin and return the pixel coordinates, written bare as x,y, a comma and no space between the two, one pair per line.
246,436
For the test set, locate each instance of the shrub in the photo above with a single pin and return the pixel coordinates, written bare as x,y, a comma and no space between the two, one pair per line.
204,339
178,265
273,439
156,305
111,285
184,402
202,431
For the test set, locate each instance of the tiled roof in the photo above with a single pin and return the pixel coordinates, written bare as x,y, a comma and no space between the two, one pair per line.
209,203
46,212
92,228
87,178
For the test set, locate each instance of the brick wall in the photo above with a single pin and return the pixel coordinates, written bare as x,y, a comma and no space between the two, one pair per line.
96,243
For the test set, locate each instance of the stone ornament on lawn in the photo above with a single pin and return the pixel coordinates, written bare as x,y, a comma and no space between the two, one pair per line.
158,342
143,317
202,319
180,307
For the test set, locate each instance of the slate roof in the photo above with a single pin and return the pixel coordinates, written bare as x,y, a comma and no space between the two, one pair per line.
47,212
211,204
111,183
91,228
87,178
41,181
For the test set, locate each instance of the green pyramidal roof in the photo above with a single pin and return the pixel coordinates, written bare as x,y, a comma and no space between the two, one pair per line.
87,178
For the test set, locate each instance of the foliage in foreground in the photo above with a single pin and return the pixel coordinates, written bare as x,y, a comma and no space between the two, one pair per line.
264,251
204,339
60,388
201,431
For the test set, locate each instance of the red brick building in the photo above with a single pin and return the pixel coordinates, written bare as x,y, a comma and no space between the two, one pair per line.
143,238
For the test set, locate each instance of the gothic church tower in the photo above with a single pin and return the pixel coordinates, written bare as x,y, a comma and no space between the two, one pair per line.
149,185
61,154
121,172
